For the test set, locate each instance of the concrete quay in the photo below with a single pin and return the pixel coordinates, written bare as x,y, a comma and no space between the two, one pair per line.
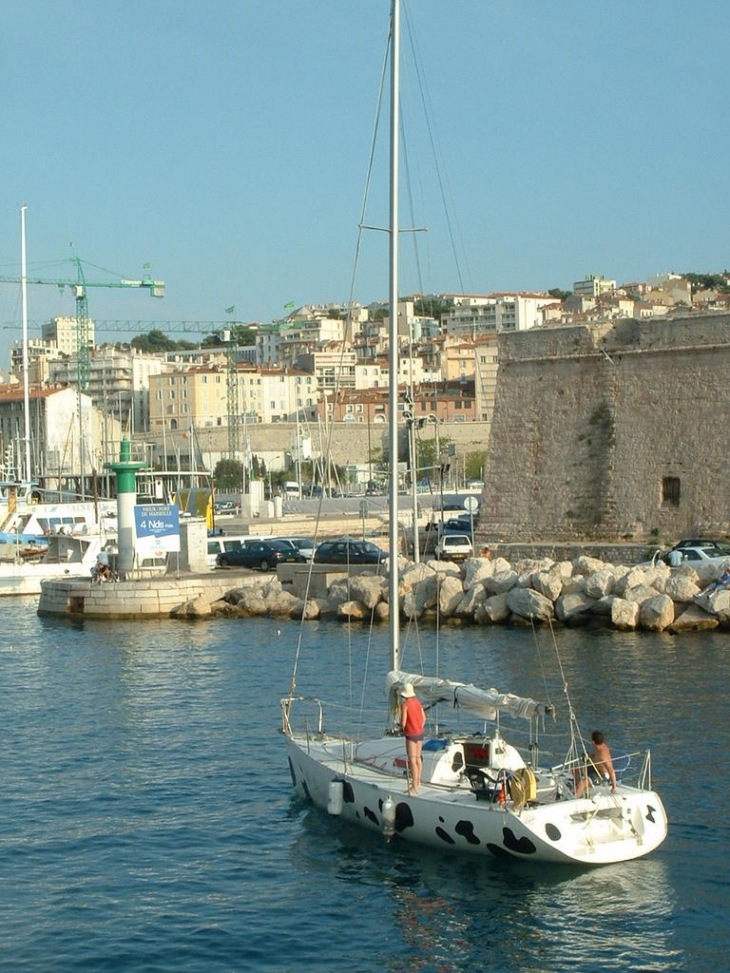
154,597
159,596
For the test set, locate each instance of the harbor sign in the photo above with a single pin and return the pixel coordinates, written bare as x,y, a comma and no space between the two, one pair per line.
157,526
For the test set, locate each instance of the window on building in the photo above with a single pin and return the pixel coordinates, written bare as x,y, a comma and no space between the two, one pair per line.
670,491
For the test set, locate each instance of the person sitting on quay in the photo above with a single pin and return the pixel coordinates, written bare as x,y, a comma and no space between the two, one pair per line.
101,573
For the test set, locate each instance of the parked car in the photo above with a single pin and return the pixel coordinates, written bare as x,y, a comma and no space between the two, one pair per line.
454,547
305,545
723,547
458,525
222,544
707,555
263,555
347,550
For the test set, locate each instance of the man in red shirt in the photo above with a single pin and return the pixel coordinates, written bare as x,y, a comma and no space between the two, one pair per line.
412,721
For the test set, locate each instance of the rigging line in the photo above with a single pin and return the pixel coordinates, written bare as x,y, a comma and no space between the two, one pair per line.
405,158
438,155
356,263
574,726
540,660
370,168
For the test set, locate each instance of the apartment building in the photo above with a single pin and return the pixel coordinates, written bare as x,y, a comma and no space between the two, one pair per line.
593,286
473,315
64,426
118,381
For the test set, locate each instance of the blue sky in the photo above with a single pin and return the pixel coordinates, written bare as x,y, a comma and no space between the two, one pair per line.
226,145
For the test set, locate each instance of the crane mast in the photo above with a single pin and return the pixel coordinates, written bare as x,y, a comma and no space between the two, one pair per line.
79,287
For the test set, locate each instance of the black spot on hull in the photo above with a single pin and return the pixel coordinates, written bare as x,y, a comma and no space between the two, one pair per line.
445,836
348,795
291,771
466,830
497,851
403,817
650,812
371,816
522,846
552,832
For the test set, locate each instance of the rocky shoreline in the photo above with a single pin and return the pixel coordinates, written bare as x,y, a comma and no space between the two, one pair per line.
481,591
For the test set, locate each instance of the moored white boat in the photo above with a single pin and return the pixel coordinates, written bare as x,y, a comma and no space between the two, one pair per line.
47,541
65,556
479,794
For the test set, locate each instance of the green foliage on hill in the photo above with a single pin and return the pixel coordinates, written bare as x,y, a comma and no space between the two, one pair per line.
710,282
558,294
156,341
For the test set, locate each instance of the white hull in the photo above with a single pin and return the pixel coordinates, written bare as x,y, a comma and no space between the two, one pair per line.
66,557
596,830
25,579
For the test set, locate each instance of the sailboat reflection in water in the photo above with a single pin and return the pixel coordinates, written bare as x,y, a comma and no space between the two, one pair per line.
479,794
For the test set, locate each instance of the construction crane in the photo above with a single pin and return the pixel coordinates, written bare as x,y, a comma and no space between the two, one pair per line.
83,351
79,288
234,411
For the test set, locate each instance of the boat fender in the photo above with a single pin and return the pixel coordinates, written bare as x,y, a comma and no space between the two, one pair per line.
335,797
388,813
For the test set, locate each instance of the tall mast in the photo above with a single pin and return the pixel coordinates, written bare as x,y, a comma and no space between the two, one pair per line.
393,333
26,389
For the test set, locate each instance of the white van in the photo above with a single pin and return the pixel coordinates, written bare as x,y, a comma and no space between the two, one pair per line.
224,542
292,490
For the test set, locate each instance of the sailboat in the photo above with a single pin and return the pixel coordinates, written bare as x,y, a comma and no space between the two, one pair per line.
478,794
39,540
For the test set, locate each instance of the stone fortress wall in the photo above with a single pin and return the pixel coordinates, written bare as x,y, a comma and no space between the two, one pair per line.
590,420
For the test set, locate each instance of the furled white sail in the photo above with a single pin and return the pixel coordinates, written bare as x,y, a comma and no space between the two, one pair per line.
485,703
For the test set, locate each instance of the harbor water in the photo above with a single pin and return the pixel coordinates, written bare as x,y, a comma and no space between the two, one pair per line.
147,820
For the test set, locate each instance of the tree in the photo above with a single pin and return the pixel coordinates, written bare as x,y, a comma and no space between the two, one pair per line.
474,465
558,294
228,475
709,282
432,307
153,341
241,336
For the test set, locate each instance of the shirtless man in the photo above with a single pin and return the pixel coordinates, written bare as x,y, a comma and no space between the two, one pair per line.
601,761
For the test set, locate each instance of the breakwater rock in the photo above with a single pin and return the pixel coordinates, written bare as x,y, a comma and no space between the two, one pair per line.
487,592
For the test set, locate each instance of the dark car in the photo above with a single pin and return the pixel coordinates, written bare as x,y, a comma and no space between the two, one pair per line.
264,555
349,551
459,524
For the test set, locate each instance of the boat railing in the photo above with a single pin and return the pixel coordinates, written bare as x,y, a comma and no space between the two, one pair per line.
632,769
286,707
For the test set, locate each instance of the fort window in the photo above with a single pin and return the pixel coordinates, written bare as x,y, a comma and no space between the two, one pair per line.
670,491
